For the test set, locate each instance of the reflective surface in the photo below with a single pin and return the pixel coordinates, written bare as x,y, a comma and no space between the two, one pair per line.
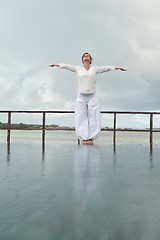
64,191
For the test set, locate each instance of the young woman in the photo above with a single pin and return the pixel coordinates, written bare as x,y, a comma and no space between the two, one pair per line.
87,113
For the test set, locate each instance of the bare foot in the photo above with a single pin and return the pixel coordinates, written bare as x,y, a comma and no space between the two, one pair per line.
84,142
90,141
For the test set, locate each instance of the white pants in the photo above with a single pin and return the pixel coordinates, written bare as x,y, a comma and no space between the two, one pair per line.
87,116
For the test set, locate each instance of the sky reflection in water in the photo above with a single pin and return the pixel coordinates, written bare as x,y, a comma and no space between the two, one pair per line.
66,191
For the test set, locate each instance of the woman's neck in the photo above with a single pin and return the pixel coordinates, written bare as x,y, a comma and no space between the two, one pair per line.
86,65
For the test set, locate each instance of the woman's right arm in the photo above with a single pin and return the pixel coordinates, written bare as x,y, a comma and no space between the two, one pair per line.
66,66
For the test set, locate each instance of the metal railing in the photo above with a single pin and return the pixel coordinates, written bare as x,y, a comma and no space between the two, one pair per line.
150,129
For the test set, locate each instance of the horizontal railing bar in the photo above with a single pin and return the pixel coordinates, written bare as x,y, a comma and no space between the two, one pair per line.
49,111
72,129
129,130
72,111
119,112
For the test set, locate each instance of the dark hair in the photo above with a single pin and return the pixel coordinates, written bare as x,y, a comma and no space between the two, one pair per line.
89,55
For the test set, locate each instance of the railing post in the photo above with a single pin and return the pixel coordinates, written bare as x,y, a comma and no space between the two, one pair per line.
9,127
114,129
43,127
151,128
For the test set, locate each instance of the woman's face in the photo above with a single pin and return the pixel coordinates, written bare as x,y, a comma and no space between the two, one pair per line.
86,57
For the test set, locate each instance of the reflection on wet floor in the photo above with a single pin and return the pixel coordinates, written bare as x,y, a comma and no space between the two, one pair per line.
70,191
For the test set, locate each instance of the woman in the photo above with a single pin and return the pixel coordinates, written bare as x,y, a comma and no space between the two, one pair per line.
87,113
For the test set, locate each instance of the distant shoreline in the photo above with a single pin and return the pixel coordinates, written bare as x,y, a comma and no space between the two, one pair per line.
23,126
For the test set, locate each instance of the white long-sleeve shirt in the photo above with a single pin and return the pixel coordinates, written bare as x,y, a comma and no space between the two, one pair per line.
86,78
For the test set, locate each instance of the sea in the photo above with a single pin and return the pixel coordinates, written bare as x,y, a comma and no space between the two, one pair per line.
63,190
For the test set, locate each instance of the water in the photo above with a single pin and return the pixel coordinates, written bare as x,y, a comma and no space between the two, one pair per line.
64,191
69,136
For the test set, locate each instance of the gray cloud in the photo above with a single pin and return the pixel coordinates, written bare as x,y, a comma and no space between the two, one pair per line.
36,33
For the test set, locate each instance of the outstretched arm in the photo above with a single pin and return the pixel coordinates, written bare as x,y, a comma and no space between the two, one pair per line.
53,65
120,68
66,66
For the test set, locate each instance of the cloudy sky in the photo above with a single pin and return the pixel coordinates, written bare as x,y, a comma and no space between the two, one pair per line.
34,33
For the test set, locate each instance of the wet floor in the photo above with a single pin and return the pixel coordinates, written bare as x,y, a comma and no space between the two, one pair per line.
63,191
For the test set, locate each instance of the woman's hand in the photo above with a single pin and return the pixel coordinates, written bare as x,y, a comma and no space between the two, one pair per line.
120,68
53,65
123,69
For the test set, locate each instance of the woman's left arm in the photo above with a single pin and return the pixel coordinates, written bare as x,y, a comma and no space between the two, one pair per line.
103,69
